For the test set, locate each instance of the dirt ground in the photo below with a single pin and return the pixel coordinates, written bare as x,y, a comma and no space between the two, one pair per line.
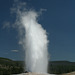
33,74
72,73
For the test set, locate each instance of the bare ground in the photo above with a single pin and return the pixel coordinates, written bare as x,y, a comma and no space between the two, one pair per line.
72,73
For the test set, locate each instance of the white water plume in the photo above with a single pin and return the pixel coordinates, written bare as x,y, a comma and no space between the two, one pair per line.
34,41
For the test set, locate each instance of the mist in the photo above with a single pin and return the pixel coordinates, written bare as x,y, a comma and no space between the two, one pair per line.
33,39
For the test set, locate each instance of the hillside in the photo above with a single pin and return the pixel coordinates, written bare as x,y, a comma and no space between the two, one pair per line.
60,67
8,66
6,61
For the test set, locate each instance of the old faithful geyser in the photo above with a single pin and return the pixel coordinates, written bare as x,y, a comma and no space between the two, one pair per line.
34,41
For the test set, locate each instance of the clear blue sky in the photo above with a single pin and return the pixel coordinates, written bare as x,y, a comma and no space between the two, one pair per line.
58,20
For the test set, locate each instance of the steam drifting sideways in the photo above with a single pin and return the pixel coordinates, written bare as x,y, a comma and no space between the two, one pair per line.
33,38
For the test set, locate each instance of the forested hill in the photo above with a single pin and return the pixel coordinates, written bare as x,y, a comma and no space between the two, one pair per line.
7,61
62,63
59,67
8,67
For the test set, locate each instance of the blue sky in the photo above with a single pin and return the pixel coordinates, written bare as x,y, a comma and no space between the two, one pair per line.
58,20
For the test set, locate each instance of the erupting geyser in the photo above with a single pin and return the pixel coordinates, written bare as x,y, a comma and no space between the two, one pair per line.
34,41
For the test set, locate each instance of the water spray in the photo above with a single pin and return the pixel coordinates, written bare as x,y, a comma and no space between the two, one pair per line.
34,40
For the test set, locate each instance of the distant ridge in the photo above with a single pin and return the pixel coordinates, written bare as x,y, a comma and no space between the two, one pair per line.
62,63
2,58
8,61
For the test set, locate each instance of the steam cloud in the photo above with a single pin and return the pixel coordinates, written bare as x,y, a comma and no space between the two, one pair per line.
33,38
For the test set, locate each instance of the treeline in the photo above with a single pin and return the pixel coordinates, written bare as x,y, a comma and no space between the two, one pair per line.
60,67
8,67
9,71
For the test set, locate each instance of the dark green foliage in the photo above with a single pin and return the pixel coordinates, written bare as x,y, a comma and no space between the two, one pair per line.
8,67
59,67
